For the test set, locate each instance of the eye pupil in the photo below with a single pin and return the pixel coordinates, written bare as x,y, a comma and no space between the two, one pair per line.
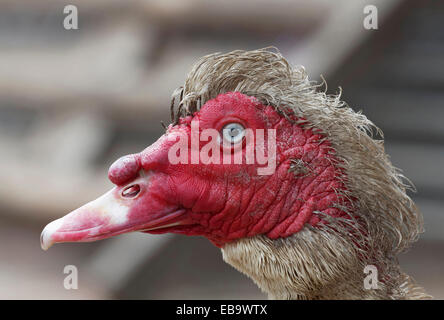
233,132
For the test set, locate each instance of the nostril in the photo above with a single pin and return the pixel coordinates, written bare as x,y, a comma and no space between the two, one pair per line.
131,191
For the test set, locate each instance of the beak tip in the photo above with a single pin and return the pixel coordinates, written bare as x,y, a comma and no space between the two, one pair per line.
45,241
46,237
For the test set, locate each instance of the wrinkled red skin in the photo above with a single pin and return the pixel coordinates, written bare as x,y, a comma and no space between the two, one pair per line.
224,202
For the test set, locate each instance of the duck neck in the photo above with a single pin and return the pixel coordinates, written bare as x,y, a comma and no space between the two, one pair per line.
311,265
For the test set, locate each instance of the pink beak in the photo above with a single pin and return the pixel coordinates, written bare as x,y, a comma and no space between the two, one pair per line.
111,215
87,223
141,201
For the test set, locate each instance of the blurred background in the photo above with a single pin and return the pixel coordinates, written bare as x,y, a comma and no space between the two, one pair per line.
73,101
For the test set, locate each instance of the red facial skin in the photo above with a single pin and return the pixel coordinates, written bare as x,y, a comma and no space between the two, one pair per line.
224,202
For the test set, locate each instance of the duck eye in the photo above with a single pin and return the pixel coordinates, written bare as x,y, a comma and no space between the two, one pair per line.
233,133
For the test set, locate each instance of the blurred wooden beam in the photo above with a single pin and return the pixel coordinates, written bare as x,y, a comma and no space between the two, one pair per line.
253,15
341,32
134,250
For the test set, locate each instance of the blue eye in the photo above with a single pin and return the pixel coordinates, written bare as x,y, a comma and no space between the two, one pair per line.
233,133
